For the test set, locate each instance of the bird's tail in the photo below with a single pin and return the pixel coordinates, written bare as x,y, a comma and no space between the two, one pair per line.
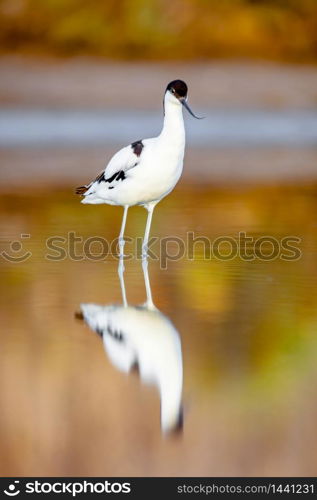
81,190
79,315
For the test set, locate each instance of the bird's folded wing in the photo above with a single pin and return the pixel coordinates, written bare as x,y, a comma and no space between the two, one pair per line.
123,160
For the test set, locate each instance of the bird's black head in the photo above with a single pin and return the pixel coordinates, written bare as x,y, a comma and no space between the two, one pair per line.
178,88
178,427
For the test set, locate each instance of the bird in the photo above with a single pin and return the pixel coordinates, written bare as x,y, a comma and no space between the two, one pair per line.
147,170
141,338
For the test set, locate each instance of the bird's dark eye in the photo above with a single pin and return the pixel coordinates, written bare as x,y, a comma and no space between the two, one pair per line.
173,90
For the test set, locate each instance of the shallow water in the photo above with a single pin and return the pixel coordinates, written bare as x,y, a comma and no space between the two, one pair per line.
247,329
221,127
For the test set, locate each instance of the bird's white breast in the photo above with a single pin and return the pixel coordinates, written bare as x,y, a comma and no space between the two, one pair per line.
161,167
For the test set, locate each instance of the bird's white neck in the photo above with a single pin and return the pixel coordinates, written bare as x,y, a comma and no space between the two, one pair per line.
173,126
171,402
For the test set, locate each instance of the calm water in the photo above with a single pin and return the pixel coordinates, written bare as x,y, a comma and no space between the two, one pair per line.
43,127
247,330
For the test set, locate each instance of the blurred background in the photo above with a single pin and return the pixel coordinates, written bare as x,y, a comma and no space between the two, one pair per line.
80,79
160,30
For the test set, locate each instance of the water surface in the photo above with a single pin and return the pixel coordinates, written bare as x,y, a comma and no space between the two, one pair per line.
45,127
247,331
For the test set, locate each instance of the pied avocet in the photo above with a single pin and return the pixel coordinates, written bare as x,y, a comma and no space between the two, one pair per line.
147,170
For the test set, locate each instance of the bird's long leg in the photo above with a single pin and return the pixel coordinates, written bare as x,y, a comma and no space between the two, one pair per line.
121,239
122,284
150,209
149,302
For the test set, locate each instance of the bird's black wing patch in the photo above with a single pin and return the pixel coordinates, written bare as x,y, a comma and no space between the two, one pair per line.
117,176
120,176
100,177
117,335
99,331
137,147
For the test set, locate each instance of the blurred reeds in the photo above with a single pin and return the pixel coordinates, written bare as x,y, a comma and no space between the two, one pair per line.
160,29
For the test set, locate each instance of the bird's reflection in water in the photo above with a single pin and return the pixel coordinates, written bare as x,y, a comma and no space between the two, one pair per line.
142,338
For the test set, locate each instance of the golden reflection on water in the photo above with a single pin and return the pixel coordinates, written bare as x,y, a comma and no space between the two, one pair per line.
248,331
